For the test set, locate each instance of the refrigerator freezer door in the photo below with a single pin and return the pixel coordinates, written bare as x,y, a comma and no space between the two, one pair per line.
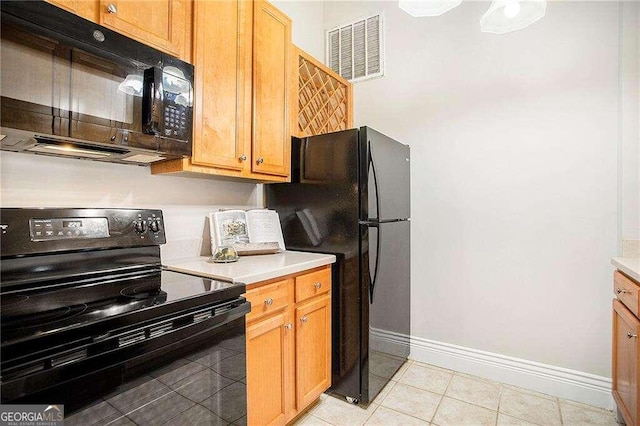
331,158
319,209
386,273
385,178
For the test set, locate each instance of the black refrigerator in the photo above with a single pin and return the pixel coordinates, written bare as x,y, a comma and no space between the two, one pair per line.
349,196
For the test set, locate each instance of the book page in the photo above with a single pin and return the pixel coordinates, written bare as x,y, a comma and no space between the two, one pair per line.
228,227
264,227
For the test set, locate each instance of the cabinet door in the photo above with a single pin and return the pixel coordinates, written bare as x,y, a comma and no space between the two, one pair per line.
313,349
268,370
159,23
222,58
626,374
271,136
88,9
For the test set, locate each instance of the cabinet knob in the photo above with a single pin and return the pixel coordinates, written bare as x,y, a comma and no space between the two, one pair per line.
620,290
112,8
288,326
318,285
268,302
303,319
260,160
243,157
629,335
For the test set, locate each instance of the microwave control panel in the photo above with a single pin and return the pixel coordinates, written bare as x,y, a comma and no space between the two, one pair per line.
175,119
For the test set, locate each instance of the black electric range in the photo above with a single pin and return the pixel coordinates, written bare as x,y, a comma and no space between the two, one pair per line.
87,310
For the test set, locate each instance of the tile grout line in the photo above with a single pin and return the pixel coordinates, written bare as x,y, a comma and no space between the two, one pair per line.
498,407
441,400
559,411
404,414
515,417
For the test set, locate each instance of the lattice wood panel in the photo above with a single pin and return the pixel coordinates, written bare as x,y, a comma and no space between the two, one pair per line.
325,100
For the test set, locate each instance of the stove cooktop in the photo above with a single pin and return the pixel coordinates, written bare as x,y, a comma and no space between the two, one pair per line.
36,312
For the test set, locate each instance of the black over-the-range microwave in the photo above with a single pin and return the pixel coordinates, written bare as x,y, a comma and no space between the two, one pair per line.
70,87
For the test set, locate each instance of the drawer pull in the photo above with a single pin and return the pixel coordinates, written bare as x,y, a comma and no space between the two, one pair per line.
112,8
268,302
621,290
303,319
629,335
318,285
288,326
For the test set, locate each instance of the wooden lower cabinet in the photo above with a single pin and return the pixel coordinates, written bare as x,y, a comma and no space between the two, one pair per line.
626,362
313,349
268,353
626,353
288,347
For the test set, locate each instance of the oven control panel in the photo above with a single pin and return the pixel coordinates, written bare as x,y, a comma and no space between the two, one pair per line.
70,227
32,231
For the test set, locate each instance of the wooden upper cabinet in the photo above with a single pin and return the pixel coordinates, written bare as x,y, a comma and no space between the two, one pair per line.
271,135
242,85
163,24
88,9
222,46
323,100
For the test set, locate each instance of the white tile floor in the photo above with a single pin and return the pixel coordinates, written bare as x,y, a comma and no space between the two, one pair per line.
421,394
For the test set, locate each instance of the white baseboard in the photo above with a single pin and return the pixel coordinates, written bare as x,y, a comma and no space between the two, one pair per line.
561,382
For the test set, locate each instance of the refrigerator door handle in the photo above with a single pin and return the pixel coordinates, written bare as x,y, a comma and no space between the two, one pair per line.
372,280
375,183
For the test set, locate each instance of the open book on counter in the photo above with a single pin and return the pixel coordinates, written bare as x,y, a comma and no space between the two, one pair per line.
248,232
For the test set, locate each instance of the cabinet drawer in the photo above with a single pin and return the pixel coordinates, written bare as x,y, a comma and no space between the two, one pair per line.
267,299
312,284
626,291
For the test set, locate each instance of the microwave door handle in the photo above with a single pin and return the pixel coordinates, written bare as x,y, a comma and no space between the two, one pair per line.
152,102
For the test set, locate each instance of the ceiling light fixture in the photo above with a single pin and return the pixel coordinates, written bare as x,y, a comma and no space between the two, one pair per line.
502,17
505,16
421,8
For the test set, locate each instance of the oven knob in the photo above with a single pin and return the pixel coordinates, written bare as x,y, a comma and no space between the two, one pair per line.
139,226
154,225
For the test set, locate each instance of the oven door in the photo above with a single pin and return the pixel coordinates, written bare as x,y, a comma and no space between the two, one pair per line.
187,369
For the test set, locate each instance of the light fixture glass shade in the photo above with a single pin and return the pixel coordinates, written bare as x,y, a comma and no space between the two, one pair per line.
420,8
504,16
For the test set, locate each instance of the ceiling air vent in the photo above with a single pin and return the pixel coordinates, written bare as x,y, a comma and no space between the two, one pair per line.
355,49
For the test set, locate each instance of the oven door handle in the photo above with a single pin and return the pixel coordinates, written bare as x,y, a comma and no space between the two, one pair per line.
182,325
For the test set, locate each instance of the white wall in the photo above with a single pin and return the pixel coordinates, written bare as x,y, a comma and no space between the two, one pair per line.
629,153
308,32
39,181
514,175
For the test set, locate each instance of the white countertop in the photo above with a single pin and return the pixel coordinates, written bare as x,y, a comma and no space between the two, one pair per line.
251,269
628,265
